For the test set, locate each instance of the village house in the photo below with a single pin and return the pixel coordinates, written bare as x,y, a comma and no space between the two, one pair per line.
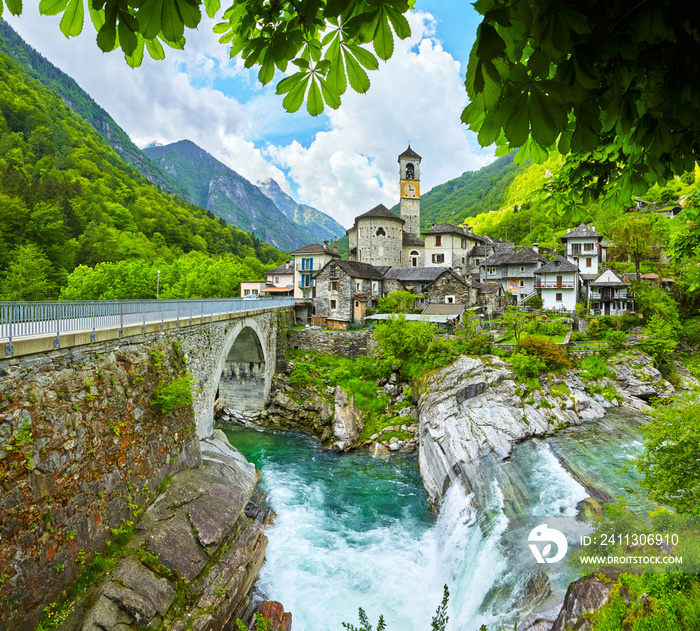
583,249
280,280
515,270
558,284
344,291
251,287
431,285
307,261
609,295
448,245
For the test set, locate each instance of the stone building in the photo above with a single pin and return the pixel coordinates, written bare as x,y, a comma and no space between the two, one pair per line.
409,176
344,290
307,261
377,238
583,249
431,285
492,298
448,245
609,295
515,270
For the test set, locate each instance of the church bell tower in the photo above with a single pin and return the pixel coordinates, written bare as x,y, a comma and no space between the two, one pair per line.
409,176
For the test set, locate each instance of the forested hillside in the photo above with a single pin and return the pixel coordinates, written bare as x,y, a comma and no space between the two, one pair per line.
82,104
67,199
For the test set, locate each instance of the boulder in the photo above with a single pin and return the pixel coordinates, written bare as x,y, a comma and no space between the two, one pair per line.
348,421
274,612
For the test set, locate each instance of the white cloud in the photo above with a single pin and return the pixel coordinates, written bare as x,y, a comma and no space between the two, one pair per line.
348,167
417,96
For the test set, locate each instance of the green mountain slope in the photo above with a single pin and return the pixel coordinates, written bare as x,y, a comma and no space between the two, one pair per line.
321,226
80,102
67,199
214,186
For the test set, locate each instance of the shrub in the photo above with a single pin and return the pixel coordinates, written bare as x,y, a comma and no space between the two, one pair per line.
594,367
553,355
577,337
535,302
398,338
660,341
593,330
177,393
617,339
527,366
441,352
691,330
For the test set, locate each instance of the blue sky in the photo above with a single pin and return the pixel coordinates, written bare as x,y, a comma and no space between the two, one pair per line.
342,162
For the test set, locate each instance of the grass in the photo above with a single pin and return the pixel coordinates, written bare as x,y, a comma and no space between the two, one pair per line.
557,339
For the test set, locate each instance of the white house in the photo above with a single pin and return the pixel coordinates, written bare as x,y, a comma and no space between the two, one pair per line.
609,295
253,287
307,262
583,249
447,245
280,280
558,282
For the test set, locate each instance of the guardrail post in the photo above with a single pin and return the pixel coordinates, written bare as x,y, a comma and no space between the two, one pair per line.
9,347
121,319
57,341
143,326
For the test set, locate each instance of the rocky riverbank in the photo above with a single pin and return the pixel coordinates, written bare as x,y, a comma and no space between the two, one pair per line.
194,557
474,412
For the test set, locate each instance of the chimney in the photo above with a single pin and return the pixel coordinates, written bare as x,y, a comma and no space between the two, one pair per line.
568,230
325,244
335,245
536,247
593,228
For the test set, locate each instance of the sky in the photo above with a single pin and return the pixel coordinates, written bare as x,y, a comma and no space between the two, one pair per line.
343,162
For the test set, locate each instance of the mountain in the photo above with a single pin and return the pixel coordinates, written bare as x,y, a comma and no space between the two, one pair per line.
228,195
82,104
68,200
321,226
471,193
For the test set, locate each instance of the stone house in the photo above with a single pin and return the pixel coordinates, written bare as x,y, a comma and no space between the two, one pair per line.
307,261
491,297
609,295
431,285
448,245
558,283
344,290
515,270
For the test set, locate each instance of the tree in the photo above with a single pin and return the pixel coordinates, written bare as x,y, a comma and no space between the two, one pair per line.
28,276
661,339
514,322
670,464
398,338
397,302
636,236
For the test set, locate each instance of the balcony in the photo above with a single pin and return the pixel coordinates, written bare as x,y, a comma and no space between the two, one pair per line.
307,284
553,285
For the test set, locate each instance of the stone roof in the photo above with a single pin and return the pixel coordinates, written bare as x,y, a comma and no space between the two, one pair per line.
523,256
285,268
480,250
314,248
450,228
408,238
552,267
409,153
416,274
604,283
380,211
355,269
444,309
583,231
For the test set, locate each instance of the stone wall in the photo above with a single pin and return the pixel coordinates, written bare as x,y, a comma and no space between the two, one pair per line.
450,285
82,446
340,343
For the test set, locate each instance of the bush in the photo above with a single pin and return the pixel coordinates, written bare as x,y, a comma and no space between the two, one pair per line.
577,337
593,367
441,352
527,366
169,396
617,339
553,355
399,338
535,302
691,330
660,341
593,330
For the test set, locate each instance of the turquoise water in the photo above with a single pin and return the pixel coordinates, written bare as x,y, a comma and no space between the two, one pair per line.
354,531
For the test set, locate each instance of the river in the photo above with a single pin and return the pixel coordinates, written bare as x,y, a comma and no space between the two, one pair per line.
355,531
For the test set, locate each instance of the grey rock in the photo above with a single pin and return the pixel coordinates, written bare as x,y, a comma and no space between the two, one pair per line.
348,421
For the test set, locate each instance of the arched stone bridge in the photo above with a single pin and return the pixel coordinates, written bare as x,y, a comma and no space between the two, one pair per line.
231,345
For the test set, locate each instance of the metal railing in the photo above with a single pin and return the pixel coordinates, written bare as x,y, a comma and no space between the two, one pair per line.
554,285
34,319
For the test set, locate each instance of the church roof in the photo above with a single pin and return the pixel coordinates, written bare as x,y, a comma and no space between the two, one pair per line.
581,232
380,211
409,153
559,264
416,274
408,238
450,228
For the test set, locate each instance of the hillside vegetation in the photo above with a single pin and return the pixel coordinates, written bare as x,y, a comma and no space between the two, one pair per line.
67,200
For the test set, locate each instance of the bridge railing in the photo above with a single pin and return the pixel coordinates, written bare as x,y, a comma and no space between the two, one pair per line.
34,319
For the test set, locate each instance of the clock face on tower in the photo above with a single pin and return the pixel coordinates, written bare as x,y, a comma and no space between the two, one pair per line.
410,189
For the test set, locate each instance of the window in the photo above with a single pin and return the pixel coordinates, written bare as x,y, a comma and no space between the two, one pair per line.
477,261
589,262
380,232
254,292
414,258
464,244
438,240
491,270
334,304
438,258
334,285
357,304
306,280
588,247
522,283
559,297
307,264
277,280
449,300
375,288
246,292
359,286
